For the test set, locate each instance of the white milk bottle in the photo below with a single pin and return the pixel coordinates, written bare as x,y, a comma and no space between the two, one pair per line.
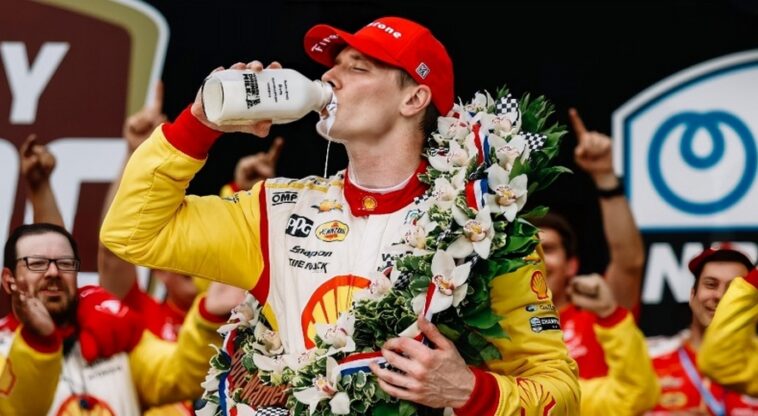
234,96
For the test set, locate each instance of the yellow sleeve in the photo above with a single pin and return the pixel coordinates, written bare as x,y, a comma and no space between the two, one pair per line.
631,386
167,372
535,375
29,374
729,352
152,223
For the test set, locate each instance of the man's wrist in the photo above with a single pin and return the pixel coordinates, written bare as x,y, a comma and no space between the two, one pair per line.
609,186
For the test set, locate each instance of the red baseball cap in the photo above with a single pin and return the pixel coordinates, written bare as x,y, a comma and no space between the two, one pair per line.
719,252
397,42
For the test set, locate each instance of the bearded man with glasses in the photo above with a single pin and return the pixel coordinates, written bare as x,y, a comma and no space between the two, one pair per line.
69,350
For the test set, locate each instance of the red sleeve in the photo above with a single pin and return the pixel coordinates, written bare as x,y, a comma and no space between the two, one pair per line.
39,343
190,136
484,398
613,319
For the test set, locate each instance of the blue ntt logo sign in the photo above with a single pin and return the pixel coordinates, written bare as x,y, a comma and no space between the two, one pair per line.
688,148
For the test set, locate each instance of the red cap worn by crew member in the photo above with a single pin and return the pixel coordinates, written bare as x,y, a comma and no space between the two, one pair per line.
397,42
719,252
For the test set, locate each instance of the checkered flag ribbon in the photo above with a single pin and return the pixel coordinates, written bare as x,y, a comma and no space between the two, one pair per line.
272,411
508,107
534,141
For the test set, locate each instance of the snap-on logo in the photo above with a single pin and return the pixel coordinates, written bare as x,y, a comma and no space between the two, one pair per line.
387,29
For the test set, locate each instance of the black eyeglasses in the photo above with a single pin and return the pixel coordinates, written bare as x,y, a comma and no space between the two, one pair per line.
40,264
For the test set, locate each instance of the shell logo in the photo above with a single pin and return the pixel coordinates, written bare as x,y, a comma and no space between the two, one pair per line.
369,203
332,231
327,302
84,404
539,285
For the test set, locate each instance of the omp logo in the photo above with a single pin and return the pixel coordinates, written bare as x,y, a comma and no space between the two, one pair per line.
284,197
688,148
73,84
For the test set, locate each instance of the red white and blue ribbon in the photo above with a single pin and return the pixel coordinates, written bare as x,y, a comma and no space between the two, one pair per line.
475,193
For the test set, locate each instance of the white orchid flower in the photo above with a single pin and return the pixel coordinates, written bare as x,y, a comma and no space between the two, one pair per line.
508,152
509,194
480,103
496,124
325,387
452,128
457,156
208,410
211,381
446,190
449,280
339,336
297,362
244,314
380,286
267,341
275,366
477,234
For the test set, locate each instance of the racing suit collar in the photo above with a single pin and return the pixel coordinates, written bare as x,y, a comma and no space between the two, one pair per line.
365,202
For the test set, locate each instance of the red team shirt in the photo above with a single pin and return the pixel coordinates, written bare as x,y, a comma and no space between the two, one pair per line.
581,341
680,392
162,319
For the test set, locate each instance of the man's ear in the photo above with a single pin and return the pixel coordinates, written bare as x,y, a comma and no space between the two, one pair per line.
418,98
7,279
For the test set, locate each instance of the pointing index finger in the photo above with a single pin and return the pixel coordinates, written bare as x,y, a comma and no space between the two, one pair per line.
577,124
275,150
157,105
27,148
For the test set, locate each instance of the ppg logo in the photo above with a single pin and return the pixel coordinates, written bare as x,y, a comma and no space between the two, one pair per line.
687,148
298,226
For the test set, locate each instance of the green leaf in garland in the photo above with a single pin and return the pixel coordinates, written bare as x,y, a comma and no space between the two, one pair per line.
536,212
483,319
407,408
490,352
510,265
449,332
477,341
516,244
550,175
247,362
386,409
495,331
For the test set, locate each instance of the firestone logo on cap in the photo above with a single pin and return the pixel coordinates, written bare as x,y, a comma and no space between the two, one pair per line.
387,29
320,45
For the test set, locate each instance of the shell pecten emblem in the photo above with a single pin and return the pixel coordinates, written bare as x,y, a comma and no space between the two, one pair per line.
328,301
539,285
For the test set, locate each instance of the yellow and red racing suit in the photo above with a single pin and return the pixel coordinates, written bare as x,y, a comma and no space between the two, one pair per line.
302,247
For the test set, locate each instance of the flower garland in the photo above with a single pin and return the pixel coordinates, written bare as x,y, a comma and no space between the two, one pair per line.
485,158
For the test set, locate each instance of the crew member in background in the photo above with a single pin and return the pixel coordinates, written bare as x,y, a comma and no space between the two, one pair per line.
684,390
